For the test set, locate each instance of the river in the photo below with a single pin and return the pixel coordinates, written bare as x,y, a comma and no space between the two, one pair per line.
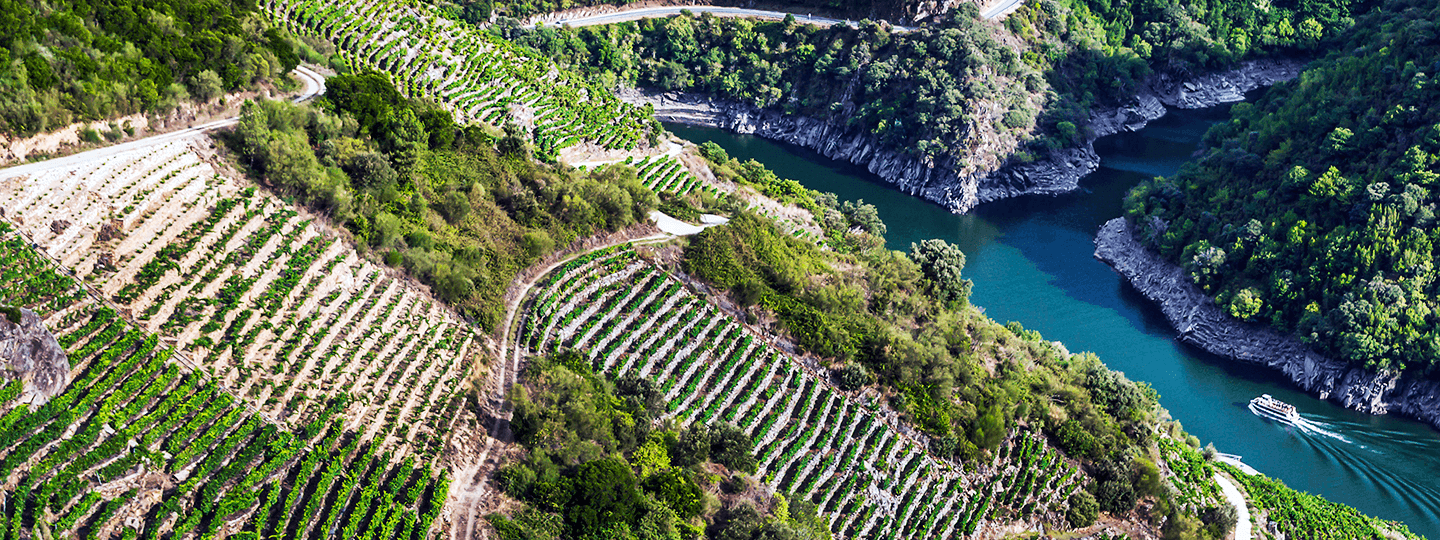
1032,261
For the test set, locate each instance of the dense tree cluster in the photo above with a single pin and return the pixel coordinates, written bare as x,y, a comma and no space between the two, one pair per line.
1214,33
76,60
598,466
460,208
895,10
913,90
1313,211
926,92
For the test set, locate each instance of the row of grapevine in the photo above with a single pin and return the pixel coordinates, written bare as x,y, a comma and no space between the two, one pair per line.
479,76
665,174
1192,476
270,302
1302,516
811,440
136,434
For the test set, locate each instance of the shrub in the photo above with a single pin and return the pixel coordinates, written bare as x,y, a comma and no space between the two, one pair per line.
852,377
1116,496
1083,509
515,479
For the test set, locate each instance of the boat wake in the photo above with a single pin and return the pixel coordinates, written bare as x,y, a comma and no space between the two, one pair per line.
1319,428
1303,424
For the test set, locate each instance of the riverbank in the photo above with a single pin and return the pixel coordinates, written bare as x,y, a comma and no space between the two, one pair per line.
1201,322
958,188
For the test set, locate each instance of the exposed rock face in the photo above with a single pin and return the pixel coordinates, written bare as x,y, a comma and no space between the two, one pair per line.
1202,323
944,182
909,174
112,230
30,353
923,10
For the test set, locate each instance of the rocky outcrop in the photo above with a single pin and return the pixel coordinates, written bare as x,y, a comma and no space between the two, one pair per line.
29,352
909,174
943,181
1202,323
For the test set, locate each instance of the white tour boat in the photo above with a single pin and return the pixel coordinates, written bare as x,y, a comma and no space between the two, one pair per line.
1274,409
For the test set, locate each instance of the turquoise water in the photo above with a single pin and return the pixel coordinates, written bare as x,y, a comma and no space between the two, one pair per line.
1032,261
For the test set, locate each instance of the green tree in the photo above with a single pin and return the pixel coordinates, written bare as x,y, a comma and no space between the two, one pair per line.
675,488
604,496
1083,509
942,263
1116,496
1246,304
207,86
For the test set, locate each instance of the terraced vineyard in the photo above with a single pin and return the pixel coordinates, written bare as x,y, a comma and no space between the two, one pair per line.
666,174
140,445
629,317
281,312
1192,476
479,76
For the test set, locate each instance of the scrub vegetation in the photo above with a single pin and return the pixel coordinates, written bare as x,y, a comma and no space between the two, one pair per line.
63,62
463,209
953,86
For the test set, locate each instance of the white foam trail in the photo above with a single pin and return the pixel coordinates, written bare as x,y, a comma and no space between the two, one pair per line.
1310,426
1305,425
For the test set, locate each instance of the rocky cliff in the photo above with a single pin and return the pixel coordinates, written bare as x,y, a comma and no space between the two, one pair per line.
947,184
29,352
1202,323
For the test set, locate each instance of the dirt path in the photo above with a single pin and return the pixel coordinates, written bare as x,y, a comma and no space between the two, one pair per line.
314,85
471,494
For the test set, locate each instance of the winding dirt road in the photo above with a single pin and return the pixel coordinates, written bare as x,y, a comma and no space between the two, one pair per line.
314,86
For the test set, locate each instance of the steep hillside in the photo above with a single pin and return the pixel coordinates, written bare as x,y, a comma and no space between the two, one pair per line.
244,366
268,301
629,365
1311,211
145,442
477,76
64,62
960,111
896,11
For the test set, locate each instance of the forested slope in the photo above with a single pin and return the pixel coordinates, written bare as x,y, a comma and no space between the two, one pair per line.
1312,210
959,92
89,60
897,11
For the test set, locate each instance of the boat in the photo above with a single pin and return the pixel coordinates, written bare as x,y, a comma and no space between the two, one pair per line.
1274,409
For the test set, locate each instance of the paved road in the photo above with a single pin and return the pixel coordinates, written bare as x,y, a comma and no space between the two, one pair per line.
314,85
642,13
999,9
1242,512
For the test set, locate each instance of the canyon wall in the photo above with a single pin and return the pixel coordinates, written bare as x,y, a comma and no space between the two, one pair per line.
943,181
1201,322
